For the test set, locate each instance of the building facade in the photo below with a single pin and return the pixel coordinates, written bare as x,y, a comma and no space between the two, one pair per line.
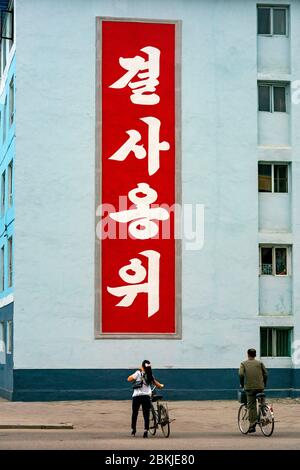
239,120
7,158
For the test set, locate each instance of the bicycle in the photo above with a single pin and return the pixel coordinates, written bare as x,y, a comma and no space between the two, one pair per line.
265,418
159,416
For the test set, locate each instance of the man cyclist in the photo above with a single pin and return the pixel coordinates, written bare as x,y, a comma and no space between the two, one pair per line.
253,378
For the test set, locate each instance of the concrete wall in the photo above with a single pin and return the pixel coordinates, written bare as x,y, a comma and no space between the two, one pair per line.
275,212
54,257
274,128
295,21
55,203
273,54
275,295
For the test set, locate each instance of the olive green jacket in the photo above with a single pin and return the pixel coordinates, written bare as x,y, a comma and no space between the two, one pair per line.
253,375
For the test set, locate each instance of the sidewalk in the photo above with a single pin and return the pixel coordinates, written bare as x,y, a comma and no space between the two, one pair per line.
106,425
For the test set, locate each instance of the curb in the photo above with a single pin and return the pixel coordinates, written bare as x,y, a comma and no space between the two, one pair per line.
37,426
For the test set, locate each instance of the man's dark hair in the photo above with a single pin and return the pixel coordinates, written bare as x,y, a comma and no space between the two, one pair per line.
251,352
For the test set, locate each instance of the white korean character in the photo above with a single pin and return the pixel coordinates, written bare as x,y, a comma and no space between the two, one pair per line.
147,71
134,274
143,226
154,145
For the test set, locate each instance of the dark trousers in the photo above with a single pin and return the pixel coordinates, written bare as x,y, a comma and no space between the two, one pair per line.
251,401
143,400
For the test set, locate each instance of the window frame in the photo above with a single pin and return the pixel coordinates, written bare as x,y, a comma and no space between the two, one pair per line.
12,11
2,268
272,8
3,194
10,261
274,330
288,260
10,169
260,85
272,85
273,164
4,128
11,101
8,37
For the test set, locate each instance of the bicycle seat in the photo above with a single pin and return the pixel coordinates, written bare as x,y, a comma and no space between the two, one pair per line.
156,398
260,395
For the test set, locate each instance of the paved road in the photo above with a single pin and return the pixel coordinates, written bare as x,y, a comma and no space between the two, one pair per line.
105,425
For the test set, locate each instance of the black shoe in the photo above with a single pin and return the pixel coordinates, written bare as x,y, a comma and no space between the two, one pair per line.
251,429
133,432
145,434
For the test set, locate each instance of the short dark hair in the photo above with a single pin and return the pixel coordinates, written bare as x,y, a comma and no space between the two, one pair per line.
251,352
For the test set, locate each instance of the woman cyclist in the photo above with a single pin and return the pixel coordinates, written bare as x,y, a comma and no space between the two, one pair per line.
143,379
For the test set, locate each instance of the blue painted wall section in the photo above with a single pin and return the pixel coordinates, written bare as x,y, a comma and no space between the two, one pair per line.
6,367
111,384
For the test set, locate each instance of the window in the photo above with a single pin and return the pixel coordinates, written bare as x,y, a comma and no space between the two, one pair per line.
9,337
273,177
279,21
272,21
2,343
265,178
2,269
264,98
4,120
280,261
3,193
10,261
275,342
280,178
11,25
264,20
10,184
11,101
3,55
7,34
272,98
279,99
274,260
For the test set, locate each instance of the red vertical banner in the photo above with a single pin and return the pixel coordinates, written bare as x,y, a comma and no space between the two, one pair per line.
137,153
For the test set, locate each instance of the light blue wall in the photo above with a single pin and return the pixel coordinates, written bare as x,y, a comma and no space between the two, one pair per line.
275,295
275,212
274,128
54,236
273,54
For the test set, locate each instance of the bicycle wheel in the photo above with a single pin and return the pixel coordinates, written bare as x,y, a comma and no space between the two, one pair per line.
152,421
266,420
164,420
243,419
